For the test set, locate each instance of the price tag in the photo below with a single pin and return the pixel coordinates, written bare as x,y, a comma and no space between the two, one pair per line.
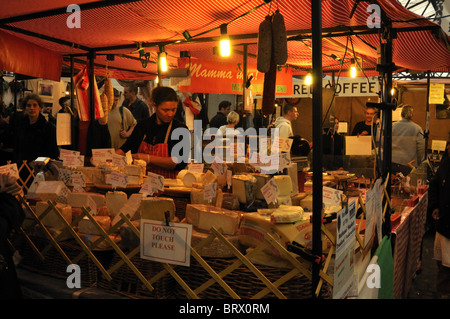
78,182
156,181
219,167
210,191
270,191
196,168
101,155
117,179
73,160
119,160
146,189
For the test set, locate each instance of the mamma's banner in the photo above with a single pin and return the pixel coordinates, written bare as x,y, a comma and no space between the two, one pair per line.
226,78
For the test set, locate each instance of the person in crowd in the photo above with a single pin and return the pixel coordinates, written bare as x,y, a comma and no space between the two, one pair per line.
230,127
35,136
121,123
138,108
333,146
221,117
11,218
151,138
283,123
408,142
439,209
365,127
47,111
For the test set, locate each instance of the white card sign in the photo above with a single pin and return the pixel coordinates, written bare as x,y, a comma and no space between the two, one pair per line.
166,244
155,181
270,191
117,179
101,155
210,191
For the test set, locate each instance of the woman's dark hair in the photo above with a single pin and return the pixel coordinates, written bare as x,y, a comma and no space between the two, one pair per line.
32,97
162,94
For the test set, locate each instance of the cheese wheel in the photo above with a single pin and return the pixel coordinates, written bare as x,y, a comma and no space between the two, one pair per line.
279,37
264,55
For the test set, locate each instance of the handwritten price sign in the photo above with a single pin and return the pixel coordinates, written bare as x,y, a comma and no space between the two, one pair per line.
117,179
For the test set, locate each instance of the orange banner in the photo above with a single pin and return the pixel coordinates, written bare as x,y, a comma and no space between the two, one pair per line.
226,78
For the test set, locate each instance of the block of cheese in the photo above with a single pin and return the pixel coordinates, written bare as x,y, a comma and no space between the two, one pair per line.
135,180
281,200
198,197
154,208
206,216
189,177
292,171
171,182
261,180
115,201
217,248
53,190
81,199
287,214
135,170
208,178
244,187
254,227
51,219
132,208
284,184
306,203
85,225
227,200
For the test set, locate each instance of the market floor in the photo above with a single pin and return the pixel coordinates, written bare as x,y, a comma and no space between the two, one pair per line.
424,284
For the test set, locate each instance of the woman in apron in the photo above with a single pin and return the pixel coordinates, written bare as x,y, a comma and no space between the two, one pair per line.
150,140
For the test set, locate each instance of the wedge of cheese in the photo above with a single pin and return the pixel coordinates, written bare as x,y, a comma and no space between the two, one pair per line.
51,219
261,180
53,190
115,201
244,188
85,225
255,226
284,184
132,208
154,208
206,216
81,199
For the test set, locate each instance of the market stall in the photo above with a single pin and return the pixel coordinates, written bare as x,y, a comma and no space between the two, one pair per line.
241,220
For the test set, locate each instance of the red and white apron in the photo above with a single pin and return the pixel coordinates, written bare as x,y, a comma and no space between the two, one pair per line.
162,150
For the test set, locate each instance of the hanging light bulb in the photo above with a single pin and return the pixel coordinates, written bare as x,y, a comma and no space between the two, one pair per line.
308,79
157,80
353,69
163,58
225,49
393,91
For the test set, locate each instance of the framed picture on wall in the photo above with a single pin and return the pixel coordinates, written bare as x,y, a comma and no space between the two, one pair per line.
45,89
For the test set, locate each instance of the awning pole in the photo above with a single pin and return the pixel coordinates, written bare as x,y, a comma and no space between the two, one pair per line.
316,18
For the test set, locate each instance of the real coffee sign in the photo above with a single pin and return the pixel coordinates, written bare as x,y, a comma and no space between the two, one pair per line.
166,243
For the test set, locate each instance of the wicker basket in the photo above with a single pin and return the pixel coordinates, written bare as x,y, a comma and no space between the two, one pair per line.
55,265
125,281
243,281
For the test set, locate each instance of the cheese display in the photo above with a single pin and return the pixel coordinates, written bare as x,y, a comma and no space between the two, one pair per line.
204,217
227,201
79,199
171,182
86,226
208,178
51,219
135,173
115,201
53,190
244,187
255,226
198,197
154,208
217,248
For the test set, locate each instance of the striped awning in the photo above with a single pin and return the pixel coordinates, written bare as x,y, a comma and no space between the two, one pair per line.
119,27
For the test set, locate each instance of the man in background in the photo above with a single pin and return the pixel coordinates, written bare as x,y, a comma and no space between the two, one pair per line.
138,108
283,123
365,127
221,117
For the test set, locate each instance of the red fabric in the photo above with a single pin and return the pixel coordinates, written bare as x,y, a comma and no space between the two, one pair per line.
161,150
20,56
